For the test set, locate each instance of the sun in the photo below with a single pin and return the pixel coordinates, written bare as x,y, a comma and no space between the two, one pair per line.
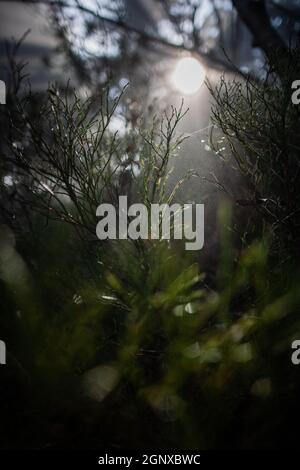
188,75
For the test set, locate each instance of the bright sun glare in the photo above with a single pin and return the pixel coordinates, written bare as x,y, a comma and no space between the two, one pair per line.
188,75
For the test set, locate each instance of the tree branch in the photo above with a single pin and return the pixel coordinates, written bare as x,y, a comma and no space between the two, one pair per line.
287,11
208,61
255,16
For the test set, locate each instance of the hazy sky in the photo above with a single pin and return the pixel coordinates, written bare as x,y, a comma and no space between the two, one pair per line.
16,18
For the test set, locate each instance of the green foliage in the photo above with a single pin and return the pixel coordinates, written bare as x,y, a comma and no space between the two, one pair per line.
104,337
261,126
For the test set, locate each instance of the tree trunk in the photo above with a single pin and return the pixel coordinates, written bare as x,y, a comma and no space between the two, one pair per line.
255,16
